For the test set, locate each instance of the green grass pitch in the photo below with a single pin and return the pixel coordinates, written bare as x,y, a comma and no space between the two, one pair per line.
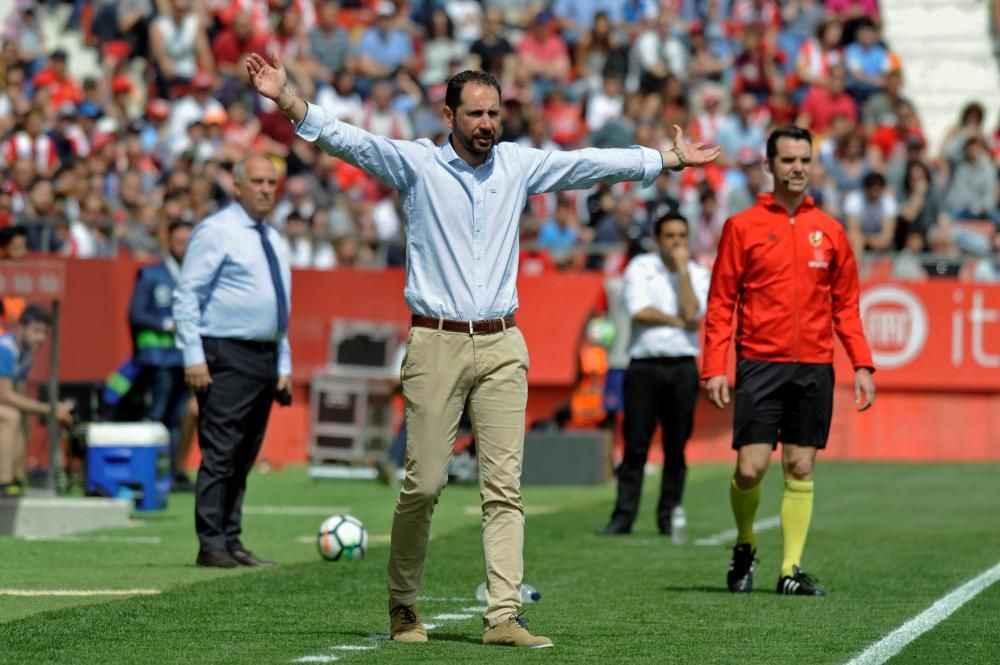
887,540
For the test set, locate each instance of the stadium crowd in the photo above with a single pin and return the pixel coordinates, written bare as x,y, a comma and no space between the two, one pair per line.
101,167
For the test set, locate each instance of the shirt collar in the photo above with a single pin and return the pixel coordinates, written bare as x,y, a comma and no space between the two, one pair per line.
767,200
247,219
450,156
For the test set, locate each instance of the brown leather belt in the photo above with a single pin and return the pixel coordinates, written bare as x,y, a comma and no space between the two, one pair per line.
486,327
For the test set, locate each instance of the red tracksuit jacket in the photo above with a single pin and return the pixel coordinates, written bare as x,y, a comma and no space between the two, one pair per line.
791,281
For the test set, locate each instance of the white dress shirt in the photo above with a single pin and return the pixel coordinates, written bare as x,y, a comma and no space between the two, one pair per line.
462,221
648,283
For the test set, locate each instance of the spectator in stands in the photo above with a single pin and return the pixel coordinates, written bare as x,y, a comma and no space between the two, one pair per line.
577,17
543,57
819,53
467,18
825,101
378,115
920,208
599,55
987,268
36,217
656,53
384,48
191,108
24,28
908,265
871,216
32,143
232,44
441,49
492,52
972,192
849,165
880,109
945,259
705,63
970,125
741,130
867,62
179,47
743,184
559,235
17,349
755,70
329,44
342,98
126,20
13,100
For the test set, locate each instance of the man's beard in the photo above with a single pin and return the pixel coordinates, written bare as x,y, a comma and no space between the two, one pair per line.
469,143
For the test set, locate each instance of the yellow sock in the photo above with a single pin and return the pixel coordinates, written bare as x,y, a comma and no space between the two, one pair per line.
744,503
796,512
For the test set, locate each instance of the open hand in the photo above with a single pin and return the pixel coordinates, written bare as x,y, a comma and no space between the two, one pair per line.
269,81
694,154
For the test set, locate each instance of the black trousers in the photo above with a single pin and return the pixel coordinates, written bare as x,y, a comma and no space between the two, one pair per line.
232,418
664,390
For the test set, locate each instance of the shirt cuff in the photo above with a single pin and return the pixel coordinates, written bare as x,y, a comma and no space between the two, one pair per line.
652,165
194,355
312,124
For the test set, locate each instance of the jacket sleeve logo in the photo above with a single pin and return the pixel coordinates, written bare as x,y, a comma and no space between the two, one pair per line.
816,238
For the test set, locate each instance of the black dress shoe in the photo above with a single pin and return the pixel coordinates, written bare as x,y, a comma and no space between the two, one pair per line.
615,529
217,559
246,558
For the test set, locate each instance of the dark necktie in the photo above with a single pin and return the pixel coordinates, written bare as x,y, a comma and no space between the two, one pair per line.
279,285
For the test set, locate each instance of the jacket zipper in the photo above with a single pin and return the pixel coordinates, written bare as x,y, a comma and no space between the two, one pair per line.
795,286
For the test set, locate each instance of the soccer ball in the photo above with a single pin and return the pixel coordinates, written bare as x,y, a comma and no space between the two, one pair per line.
342,537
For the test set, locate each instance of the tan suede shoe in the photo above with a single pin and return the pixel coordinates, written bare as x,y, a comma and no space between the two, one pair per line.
514,633
405,626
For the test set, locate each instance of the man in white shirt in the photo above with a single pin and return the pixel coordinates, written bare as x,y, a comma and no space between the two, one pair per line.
665,294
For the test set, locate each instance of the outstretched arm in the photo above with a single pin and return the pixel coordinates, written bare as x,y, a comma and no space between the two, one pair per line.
557,170
393,162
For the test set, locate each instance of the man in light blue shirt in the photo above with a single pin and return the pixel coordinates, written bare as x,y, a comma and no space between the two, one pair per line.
463,201
231,311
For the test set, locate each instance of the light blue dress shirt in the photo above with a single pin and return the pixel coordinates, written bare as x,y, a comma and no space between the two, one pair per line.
462,221
225,289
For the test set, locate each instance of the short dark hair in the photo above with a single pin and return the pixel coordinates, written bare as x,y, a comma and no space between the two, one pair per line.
786,132
8,234
35,314
457,83
872,179
179,224
671,216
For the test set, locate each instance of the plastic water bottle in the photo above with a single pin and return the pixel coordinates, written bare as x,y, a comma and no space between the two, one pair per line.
678,526
529,594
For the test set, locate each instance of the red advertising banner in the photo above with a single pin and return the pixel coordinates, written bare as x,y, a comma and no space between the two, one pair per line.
939,336
33,280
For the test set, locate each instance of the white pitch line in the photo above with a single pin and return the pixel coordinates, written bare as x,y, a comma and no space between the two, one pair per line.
316,659
130,540
352,647
295,510
445,599
894,642
730,534
78,592
452,617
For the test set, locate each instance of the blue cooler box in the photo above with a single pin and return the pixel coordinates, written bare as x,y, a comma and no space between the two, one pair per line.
129,459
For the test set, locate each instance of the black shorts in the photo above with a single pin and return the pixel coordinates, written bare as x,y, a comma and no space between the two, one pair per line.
787,402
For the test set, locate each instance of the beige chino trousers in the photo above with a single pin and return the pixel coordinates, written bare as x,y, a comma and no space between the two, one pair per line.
440,372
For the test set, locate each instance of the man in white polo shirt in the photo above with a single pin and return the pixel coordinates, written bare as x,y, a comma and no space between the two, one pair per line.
665,294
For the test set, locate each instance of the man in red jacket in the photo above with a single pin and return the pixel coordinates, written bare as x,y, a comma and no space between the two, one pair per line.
788,272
